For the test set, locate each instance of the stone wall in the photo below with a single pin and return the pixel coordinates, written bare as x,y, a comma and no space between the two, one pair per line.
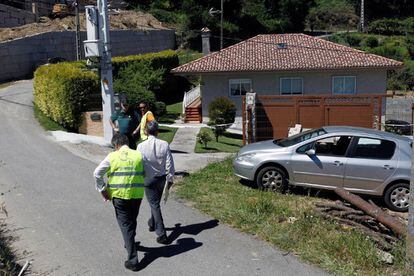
13,17
20,57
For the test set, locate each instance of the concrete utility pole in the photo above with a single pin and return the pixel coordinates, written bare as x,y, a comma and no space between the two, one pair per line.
362,19
98,50
78,39
106,70
221,24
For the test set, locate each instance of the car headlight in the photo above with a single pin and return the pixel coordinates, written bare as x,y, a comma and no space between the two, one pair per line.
245,157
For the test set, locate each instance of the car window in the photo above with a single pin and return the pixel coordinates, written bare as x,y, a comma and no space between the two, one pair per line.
332,146
371,148
301,137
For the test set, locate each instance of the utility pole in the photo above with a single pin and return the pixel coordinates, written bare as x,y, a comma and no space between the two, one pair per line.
362,19
98,51
78,39
221,24
106,70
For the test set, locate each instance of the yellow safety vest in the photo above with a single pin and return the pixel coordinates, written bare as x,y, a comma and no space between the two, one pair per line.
144,126
126,174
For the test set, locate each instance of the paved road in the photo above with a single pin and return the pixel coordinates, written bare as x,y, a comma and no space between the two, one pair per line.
64,227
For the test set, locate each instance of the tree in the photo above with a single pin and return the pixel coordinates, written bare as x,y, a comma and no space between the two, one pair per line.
222,113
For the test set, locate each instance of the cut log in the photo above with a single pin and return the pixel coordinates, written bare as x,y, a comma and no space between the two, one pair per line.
373,211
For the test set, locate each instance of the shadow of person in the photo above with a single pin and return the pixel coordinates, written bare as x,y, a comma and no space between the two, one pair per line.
153,253
192,229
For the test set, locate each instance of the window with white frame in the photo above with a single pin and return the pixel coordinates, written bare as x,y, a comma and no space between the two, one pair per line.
291,86
343,85
239,87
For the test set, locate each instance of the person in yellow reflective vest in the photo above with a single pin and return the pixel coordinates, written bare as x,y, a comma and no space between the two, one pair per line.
146,117
125,188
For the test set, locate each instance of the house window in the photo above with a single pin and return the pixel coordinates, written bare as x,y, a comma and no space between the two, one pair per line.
344,85
239,87
291,86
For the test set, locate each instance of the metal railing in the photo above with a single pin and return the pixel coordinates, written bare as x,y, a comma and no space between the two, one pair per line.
191,96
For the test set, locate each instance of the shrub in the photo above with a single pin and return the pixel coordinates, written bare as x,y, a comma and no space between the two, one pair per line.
62,90
169,89
221,111
370,41
203,137
390,26
160,109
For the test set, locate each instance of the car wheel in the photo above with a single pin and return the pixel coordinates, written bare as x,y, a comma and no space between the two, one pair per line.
397,197
271,179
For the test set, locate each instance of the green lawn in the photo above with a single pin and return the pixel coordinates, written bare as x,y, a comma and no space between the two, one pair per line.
46,122
341,250
229,142
173,113
167,133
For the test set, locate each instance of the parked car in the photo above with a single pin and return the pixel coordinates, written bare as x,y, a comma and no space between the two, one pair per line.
360,160
399,127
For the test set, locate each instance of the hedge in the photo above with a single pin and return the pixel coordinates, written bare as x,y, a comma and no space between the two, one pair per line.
62,90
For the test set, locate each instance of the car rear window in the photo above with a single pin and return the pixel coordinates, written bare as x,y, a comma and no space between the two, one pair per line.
371,148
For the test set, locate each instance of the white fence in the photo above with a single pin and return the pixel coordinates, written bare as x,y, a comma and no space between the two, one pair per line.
191,96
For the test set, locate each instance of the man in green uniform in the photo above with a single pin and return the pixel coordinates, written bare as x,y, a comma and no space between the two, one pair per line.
125,121
125,170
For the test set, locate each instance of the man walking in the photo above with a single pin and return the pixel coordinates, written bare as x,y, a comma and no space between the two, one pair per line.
159,169
125,187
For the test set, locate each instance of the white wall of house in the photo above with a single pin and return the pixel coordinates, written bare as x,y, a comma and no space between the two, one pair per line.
314,83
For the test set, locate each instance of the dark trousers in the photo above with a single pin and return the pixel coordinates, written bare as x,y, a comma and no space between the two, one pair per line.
153,192
132,141
126,211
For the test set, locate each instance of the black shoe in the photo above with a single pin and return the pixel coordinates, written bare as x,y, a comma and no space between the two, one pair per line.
151,228
163,239
130,266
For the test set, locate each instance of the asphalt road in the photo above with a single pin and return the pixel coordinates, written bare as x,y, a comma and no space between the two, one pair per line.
62,225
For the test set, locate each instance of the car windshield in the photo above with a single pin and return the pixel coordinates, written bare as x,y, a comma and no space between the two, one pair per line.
306,135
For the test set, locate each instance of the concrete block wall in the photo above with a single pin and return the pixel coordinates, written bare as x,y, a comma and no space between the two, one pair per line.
13,17
19,58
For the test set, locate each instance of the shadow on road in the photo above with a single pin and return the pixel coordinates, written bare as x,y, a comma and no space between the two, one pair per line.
13,102
192,229
152,253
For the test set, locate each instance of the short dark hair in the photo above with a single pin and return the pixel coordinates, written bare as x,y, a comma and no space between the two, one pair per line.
119,140
152,128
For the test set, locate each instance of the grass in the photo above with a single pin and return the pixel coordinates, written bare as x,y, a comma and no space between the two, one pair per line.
343,251
7,256
46,122
167,133
229,142
173,113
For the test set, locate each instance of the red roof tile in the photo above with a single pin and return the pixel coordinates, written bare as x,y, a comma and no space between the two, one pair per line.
301,52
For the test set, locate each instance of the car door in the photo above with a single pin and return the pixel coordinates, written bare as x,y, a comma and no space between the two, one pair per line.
371,162
326,167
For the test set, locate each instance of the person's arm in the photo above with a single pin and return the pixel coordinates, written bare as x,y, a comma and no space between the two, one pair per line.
111,122
99,174
169,166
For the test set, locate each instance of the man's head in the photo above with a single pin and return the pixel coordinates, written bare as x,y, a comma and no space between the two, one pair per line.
152,128
119,140
143,107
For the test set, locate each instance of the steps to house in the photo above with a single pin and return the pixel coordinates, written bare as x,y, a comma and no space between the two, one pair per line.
193,112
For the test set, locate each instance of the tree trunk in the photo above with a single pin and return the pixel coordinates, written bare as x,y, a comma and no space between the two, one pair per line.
373,211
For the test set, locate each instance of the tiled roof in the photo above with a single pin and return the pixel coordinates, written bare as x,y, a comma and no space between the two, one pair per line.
301,52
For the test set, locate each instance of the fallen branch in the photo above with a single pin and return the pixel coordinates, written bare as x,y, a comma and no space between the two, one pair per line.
373,211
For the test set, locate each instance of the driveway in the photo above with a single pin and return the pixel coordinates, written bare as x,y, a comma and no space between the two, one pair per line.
64,227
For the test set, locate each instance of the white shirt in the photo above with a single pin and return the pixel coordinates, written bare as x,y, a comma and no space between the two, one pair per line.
158,160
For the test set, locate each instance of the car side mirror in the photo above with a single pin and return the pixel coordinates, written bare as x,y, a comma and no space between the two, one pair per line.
310,152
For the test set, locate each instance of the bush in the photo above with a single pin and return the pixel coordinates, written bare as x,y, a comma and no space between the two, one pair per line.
391,26
160,109
221,111
169,88
62,90
370,41
203,137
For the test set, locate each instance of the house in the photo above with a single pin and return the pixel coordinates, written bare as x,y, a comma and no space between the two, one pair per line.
286,64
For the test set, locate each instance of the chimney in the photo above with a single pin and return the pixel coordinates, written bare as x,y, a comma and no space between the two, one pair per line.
205,37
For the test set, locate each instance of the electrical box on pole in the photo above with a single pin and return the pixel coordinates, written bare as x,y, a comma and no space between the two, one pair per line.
98,50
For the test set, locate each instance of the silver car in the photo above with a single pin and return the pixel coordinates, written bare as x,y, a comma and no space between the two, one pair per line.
360,160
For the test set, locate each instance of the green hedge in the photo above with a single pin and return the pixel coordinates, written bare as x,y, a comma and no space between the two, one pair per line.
169,90
62,90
